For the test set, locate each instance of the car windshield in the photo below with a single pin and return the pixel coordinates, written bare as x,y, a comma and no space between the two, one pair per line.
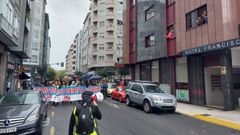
113,86
152,89
121,89
19,99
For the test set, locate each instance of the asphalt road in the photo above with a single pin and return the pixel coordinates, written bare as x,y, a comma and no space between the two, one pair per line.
119,119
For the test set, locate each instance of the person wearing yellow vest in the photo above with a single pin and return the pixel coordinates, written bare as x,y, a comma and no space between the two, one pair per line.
84,115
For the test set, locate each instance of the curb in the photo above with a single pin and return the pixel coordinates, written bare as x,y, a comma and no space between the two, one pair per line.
212,120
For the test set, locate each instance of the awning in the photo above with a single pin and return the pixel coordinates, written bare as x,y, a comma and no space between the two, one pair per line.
23,76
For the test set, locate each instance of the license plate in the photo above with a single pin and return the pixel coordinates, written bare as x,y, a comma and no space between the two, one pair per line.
8,130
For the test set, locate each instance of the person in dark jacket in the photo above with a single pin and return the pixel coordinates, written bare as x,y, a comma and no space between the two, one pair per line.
87,101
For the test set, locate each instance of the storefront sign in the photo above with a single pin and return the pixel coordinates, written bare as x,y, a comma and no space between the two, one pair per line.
212,47
182,95
10,66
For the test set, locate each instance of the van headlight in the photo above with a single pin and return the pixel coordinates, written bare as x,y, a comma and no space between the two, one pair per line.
156,98
32,118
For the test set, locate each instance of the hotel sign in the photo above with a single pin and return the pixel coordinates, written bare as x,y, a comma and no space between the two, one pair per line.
212,47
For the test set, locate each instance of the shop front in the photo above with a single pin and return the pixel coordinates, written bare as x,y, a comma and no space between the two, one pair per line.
214,76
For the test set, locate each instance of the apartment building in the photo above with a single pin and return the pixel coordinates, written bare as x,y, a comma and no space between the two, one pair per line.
37,33
47,42
85,44
71,58
105,48
194,53
14,40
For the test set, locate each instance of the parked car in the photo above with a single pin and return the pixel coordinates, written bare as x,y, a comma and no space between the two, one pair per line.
22,112
119,93
111,87
150,96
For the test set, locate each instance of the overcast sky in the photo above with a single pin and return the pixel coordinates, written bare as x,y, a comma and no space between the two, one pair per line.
66,20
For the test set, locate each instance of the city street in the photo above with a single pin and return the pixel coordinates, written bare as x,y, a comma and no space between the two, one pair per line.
118,119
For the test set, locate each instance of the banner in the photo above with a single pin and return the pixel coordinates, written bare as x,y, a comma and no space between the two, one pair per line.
70,93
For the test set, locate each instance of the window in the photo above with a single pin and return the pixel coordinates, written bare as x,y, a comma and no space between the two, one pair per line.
134,87
34,58
102,24
7,11
150,40
101,35
101,58
101,48
149,13
16,26
171,32
132,2
101,12
36,34
197,17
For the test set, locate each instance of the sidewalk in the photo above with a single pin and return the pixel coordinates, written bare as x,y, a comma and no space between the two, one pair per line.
229,119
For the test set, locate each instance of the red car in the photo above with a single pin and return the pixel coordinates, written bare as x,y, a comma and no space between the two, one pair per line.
119,93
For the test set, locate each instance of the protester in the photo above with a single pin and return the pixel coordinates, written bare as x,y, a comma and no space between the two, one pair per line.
83,118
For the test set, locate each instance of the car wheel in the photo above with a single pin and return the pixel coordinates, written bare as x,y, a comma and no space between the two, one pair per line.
112,96
147,107
128,101
120,99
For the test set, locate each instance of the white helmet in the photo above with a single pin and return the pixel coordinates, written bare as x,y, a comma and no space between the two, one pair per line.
99,97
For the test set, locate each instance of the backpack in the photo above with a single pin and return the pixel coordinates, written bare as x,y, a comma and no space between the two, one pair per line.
85,120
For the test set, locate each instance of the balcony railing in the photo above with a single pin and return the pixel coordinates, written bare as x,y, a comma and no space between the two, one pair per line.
109,3
94,8
6,26
110,27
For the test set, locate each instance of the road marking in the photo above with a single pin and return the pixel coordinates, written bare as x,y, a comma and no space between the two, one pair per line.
112,104
52,131
218,122
53,107
53,113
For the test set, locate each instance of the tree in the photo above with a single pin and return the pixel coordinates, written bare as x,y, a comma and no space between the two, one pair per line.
42,71
107,72
78,73
123,72
51,74
61,74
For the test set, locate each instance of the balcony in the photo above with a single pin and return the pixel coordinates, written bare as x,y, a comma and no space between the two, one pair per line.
94,8
109,51
95,19
94,40
95,29
109,15
109,39
6,32
110,27
109,3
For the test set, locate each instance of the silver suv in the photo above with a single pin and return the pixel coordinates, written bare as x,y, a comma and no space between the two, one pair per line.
149,95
